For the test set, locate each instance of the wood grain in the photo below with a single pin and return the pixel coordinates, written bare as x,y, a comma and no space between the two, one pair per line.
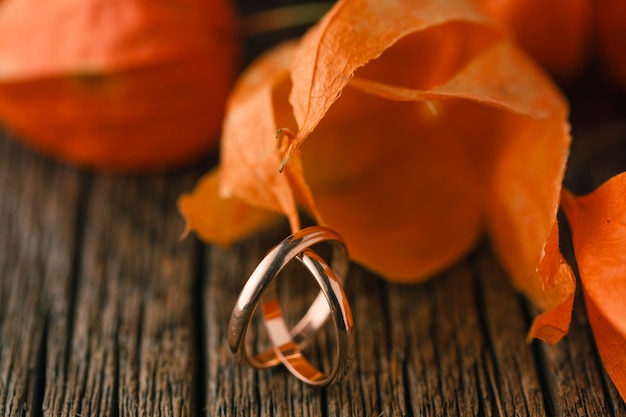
104,311
132,346
38,219
96,292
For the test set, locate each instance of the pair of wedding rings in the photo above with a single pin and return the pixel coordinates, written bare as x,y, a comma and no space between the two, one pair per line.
287,344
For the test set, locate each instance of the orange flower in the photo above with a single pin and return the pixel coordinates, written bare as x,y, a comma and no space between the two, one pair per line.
559,33
419,128
131,84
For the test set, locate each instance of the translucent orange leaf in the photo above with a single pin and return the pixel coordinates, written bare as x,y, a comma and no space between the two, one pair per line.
419,127
598,224
555,295
349,36
250,150
206,211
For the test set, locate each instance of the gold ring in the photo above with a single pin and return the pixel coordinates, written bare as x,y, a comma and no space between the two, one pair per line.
288,344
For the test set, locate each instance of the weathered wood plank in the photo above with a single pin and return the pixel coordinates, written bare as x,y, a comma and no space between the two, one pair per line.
132,349
38,211
421,349
577,384
227,394
455,345
101,314
512,374
112,333
451,362
234,389
375,386
423,341
570,375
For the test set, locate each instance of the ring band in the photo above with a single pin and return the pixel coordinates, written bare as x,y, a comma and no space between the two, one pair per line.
287,345
260,280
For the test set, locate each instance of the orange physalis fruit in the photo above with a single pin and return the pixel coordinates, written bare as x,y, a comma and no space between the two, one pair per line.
598,224
136,84
563,34
610,24
418,127
554,32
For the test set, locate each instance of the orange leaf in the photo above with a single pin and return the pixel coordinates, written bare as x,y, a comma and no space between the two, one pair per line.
611,343
348,37
250,153
598,224
134,84
555,295
205,210
419,127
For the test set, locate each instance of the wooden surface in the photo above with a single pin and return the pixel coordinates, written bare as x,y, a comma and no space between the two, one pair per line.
104,311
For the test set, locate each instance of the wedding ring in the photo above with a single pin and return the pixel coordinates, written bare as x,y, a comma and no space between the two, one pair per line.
288,345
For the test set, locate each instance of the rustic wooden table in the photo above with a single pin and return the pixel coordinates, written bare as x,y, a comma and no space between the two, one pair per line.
105,311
